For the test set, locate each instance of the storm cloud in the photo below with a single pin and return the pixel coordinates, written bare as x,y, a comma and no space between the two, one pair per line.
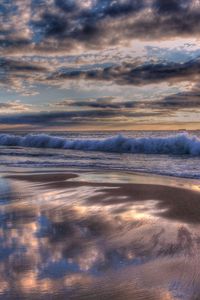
43,26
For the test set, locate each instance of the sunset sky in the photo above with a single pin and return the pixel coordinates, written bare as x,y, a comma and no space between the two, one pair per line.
99,64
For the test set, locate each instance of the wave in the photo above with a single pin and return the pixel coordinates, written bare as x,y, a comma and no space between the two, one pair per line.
179,144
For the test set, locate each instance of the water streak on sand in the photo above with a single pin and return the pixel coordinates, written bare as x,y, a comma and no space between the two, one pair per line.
89,236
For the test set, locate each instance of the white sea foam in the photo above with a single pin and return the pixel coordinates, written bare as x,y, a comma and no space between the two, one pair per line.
175,144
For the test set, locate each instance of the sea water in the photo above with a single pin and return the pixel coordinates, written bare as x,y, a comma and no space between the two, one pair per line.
172,153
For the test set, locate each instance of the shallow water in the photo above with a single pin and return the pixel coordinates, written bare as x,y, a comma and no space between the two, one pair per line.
95,235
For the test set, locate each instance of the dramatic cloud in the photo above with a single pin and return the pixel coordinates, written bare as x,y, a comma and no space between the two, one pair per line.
117,60
16,73
60,25
132,74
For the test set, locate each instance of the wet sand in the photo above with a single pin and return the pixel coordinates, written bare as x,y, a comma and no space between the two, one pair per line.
92,235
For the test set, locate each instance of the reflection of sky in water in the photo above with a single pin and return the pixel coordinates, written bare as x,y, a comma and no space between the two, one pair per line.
81,239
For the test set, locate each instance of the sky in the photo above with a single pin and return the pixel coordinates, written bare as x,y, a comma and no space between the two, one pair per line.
99,65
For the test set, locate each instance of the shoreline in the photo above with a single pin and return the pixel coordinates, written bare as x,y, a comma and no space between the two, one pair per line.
71,169
119,175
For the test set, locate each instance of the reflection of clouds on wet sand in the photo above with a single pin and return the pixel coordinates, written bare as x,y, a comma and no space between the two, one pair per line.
87,240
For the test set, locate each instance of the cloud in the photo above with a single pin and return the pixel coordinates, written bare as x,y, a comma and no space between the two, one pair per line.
13,106
18,74
171,6
164,106
19,66
73,118
21,75
108,102
33,28
42,26
133,74
183,100
178,54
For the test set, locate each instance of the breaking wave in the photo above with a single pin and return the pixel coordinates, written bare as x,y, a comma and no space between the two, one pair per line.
178,144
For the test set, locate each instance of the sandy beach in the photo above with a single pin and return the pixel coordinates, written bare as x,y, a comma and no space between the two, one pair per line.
99,235
99,150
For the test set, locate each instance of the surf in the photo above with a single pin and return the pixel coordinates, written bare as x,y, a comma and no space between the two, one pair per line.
179,144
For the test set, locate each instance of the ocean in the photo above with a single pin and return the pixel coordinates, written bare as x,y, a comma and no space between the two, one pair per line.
171,153
80,218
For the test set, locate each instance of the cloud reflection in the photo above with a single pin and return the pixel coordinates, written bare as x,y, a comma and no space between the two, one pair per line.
52,241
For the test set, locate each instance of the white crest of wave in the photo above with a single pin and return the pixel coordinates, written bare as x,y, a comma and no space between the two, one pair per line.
183,143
